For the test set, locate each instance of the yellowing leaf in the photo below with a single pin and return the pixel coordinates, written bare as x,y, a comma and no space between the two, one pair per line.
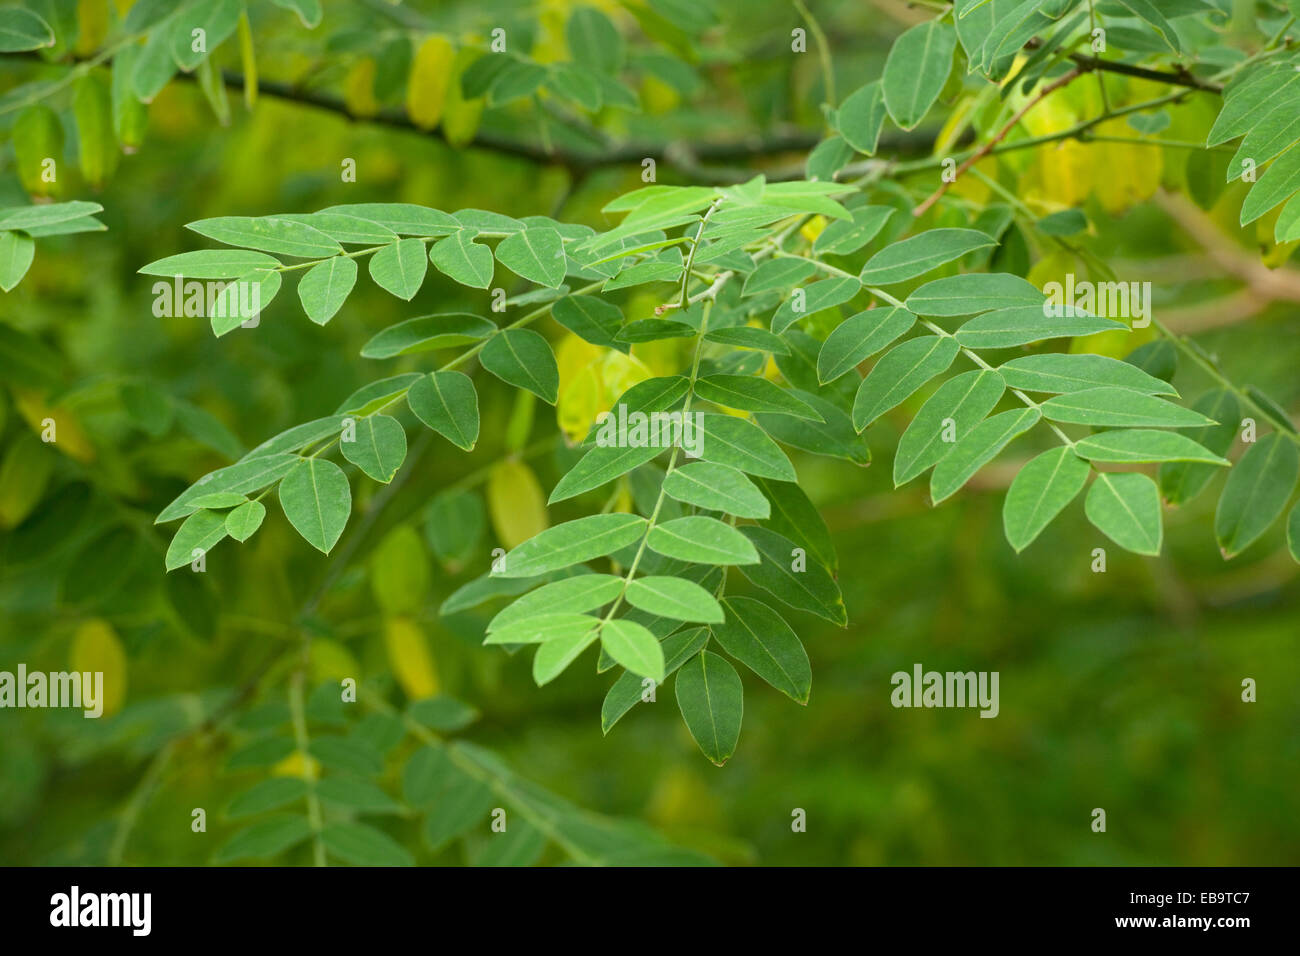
399,572
460,117
97,650
297,764
580,402
331,661
811,229
359,89
426,88
409,657
69,437
516,504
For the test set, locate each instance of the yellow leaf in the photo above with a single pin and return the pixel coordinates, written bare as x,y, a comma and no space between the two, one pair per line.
359,88
399,572
580,402
572,356
460,117
409,657
811,229
92,26
426,88
44,419
516,504
297,764
97,650
331,661
96,147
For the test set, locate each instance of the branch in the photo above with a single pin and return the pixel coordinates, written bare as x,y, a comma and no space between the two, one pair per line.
1178,78
987,148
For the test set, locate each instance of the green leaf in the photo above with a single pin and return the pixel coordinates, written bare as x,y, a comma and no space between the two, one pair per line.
16,253
1144,445
593,40
468,262
1147,11
795,516
317,501
586,592
242,478
600,465
811,299
447,403
399,267
900,372
1126,508
572,543
405,219
1022,325
753,394
264,795
591,319
208,263
1182,481
349,754
1061,373
861,116
759,638
358,795
627,691
243,522
747,337
325,287
972,294
536,254
652,330
281,236
200,531
858,338
540,628
807,197
711,699
791,578
634,647
833,437
443,714
522,358
558,653
977,448
728,440
701,540
265,839
1110,406
1039,492
778,274
363,845
427,333
715,487
243,299
379,448
309,11
964,400
1279,182
916,70
674,598
22,30
841,238
1257,490
909,258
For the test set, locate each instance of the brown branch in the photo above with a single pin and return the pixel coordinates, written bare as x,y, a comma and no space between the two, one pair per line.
1178,78
984,150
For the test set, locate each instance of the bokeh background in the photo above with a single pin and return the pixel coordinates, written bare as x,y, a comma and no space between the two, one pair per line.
1119,690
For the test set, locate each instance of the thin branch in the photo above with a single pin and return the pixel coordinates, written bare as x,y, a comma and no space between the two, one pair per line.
988,147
